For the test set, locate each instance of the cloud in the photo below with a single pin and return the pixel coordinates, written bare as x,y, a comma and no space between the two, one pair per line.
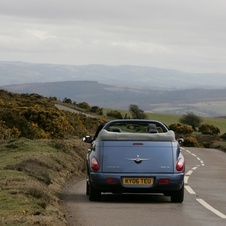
184,35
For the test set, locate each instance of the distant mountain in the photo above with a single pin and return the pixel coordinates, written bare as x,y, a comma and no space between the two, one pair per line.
205,102
124,76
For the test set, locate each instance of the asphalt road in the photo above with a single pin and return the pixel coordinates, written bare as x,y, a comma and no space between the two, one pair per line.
204,203
64,108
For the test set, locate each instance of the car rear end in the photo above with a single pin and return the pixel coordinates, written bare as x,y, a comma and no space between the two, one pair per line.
125,164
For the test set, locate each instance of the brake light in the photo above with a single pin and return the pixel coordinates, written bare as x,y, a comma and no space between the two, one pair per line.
138,144
94,164
180,164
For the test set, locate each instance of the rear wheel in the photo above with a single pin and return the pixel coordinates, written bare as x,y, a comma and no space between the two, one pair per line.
178,196
94,195
167,194
87,187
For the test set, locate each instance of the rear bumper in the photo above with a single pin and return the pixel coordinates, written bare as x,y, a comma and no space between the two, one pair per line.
99,182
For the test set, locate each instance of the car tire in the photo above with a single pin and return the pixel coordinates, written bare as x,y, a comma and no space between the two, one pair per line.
178,196
87,187
167,194
94,195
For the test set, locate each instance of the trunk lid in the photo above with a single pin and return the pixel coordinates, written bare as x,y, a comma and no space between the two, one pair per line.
137,156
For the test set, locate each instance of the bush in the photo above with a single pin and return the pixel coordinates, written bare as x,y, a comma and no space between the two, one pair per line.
223,136
190,142
207,144
35,117
67,100
97,110
209,129
84,105
115,114
179,128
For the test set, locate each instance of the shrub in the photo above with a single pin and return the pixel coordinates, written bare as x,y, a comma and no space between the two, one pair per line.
97,110
115,114
207,144
84,105
67,100
209,129
223,136
190,142
179,128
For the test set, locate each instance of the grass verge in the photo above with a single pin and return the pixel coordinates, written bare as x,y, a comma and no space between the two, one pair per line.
32,175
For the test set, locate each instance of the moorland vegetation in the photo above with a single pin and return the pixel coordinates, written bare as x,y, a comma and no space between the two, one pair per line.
41,149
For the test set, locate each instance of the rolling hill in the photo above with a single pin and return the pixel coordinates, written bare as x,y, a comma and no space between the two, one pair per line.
203,102
124,76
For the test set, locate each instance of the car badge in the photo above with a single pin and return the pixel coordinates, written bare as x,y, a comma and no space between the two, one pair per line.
137,159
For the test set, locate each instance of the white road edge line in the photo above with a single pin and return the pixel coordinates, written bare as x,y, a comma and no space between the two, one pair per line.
189,173
207,206
190,190
186,179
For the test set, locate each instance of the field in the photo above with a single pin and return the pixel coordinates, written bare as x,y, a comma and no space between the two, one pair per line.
170,119
204,108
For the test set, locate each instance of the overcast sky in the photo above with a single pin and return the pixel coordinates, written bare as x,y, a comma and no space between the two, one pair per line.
176,34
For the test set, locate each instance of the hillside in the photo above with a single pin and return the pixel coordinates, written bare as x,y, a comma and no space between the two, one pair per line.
40,150
123,75
36,117
204,102
33,174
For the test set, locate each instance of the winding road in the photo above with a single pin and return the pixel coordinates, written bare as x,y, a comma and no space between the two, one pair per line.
64,108
204,203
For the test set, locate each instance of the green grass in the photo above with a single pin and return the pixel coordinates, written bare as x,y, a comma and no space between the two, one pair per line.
167,119
170,119
32,175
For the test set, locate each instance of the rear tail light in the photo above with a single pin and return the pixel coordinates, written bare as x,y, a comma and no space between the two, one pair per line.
180,164
94,164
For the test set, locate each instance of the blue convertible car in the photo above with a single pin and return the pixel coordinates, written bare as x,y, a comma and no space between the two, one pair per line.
135,156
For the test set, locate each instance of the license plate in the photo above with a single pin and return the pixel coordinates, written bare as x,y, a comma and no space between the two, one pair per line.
137,181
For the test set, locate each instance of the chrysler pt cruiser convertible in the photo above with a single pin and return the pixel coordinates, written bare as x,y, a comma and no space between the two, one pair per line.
134,156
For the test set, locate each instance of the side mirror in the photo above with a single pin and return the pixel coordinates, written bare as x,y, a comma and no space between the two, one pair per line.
87,139
180,140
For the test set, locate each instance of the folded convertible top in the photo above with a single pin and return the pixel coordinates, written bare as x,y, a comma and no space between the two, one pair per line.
106,135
